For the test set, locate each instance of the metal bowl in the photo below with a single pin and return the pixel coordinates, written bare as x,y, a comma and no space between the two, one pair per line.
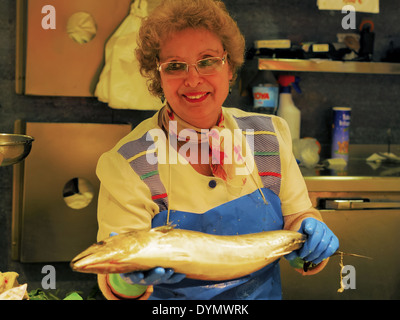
14,148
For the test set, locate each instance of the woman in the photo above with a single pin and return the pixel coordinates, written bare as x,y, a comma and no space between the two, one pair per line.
191,51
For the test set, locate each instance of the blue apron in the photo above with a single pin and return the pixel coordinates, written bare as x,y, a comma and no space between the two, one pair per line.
248,214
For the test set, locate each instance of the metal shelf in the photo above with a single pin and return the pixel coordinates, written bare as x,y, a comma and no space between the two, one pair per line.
328,66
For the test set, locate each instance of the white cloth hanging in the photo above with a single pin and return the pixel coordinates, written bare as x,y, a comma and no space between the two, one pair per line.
121,85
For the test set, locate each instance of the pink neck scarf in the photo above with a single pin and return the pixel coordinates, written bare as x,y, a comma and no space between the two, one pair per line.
222,163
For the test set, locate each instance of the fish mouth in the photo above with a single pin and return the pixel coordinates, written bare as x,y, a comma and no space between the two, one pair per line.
86,264
87,261
96,262
80,262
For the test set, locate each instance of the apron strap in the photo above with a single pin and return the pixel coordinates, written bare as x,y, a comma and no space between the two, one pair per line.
135,153
266,149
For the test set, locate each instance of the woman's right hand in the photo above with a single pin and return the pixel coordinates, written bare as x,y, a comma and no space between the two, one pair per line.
153,276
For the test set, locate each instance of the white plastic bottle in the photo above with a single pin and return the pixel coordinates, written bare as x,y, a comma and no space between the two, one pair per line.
287,109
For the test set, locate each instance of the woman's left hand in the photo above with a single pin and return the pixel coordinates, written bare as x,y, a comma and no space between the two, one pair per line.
321,242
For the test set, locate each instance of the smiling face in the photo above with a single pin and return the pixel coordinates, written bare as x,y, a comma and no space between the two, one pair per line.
195,98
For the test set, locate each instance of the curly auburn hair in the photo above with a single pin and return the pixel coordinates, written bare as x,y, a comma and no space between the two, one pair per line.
176,15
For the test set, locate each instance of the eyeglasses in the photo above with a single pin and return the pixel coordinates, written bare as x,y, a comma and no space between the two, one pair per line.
204,67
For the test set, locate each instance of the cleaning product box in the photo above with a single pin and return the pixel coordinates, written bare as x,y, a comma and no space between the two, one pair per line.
341,133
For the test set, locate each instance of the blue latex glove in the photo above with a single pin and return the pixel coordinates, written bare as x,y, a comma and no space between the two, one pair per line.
153,276
320,244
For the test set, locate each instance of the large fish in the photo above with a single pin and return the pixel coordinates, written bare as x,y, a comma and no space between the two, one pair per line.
198,255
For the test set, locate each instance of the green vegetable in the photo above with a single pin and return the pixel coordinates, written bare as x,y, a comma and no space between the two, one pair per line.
73,296
39,294
297,263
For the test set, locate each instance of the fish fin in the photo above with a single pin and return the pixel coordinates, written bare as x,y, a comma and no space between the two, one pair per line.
352,255
164,229
182,256
277,254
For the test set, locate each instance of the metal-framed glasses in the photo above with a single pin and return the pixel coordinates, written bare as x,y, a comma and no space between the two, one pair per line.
205,67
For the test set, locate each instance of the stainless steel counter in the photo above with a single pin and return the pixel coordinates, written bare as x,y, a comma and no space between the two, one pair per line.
369,228
358,175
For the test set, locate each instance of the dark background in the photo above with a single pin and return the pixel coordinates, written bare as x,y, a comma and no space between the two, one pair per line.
373,98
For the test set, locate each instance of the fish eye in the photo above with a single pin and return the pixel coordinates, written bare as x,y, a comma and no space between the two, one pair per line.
100,243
